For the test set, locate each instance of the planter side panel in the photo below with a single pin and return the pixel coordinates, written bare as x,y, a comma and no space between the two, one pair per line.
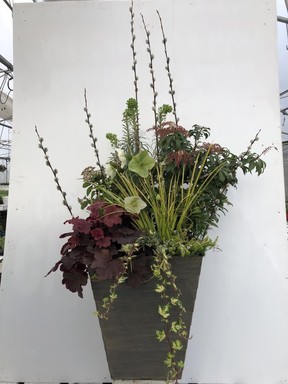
133,353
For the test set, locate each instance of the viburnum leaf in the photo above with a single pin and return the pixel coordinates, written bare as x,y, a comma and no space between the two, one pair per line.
80,225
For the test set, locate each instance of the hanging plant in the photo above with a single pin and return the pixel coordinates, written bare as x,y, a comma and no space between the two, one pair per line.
148,206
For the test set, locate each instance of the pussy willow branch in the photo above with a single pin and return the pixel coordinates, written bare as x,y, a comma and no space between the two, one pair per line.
93,138
152,85
134,69
54,171
171,90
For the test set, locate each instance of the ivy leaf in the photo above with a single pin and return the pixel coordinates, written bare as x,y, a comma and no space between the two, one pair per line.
160,335
159,288
163,311
141,164
177,345
169,360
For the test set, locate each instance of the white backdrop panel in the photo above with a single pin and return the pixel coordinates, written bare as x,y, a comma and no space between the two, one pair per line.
224,64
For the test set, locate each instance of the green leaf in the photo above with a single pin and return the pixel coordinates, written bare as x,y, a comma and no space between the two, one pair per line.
141,164
177,345
159,288
134,204
164,311
221,177
160,335
175,326
174,301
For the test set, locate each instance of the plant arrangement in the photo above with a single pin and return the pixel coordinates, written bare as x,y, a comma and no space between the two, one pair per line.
151,203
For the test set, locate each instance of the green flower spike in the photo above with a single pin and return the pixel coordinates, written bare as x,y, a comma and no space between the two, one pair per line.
134,204
141,164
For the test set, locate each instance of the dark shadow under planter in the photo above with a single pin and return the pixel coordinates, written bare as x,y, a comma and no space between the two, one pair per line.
132,350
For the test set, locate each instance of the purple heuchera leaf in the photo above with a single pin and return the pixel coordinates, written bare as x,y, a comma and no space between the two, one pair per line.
102,258
114,268
97,233
113,215
126,235
104,243
54,269
95,244
75,279
79,225
96,209
72,242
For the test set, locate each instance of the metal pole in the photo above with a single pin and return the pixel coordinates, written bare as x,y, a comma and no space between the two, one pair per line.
8,4
5,125
6,63
282,19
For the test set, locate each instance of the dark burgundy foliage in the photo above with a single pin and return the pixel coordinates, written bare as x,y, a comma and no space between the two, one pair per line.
94,247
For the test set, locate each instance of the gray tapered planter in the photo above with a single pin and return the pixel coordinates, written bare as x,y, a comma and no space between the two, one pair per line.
132,350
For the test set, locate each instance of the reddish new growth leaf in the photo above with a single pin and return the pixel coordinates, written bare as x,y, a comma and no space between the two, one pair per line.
168,128
214,148
94,246
181,157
